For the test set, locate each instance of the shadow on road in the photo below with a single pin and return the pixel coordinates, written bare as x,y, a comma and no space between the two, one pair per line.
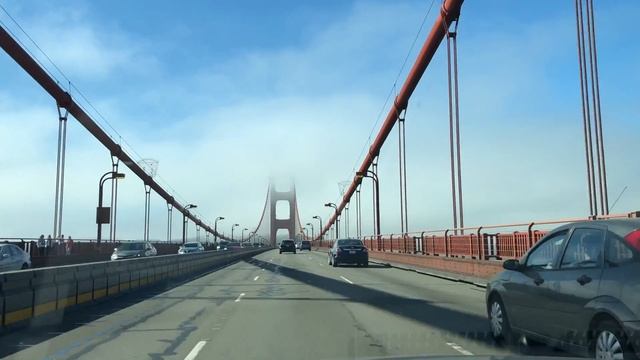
468,326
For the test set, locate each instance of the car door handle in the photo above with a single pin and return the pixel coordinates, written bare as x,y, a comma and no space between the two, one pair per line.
584,279
538,281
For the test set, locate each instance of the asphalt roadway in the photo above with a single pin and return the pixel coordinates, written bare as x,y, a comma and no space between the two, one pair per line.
272,306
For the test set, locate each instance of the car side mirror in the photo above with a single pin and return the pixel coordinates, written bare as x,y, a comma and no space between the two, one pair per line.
512,264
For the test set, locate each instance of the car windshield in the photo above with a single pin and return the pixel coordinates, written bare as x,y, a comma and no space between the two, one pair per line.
131,246
319,179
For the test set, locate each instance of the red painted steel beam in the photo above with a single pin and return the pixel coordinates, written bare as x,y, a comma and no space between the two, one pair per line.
63,99
449,11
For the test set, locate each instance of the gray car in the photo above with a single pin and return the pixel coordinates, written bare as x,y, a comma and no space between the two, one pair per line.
578,289
134,250
13,258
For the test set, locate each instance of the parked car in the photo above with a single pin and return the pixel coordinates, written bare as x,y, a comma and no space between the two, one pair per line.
287,246
133,250
578,288
191,247
305,245
13,258
348,251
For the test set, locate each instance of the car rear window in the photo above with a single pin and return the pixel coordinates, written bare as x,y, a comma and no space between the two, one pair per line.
350,242
288,242
306,242
191,245
131,246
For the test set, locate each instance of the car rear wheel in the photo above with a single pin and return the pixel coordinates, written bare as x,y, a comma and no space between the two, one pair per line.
500,328
329,260
334,263
25,266
611,343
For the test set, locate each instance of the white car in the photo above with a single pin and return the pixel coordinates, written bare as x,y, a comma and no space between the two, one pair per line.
191,247
13,258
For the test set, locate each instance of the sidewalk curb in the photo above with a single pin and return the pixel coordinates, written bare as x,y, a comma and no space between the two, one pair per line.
425,272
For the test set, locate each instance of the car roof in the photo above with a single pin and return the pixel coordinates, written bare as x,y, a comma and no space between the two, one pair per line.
620,227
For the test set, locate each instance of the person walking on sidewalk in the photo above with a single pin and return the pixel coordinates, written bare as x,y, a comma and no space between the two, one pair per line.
42,243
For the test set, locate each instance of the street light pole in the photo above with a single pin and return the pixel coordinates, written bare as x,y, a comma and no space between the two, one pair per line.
215,228
99,220
312,231
233,227
337,220
243,230
374,177
184,221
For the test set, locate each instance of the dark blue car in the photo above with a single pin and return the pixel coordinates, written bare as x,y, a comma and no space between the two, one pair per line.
348,251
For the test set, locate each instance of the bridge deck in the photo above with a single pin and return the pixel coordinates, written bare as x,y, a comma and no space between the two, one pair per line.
275,306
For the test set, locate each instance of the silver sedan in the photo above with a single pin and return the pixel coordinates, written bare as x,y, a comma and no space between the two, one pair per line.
13,258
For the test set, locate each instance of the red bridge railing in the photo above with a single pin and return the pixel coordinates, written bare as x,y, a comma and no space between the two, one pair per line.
473,243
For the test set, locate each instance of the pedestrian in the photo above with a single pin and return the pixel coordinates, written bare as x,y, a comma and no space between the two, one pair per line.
57,246
42,243
47,248
69,246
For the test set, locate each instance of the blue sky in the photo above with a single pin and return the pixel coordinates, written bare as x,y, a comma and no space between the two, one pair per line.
225,93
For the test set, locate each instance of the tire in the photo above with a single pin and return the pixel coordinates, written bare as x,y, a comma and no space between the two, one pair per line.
366,264
329,260
334,263
610,340
280,251
499,321
25,266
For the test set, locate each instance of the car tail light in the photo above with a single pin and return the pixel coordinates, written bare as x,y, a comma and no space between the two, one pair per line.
364,249
339,249
633,239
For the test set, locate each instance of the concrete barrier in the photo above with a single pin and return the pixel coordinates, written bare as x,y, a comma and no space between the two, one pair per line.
30,294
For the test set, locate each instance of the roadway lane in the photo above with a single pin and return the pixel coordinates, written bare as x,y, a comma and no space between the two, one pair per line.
277,306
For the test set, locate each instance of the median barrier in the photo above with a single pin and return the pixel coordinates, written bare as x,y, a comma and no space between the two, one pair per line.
26,295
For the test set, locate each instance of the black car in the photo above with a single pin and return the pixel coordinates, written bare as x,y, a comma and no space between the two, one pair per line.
305,245
133,250
287,246
578,288
348,251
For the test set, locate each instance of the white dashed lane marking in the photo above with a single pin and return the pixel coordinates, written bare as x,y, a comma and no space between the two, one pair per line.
239,297
345,279
196,349
459,349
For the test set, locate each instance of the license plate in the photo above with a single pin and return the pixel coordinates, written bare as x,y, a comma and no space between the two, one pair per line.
352,252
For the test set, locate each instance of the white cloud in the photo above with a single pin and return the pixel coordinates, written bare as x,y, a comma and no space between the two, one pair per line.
306,111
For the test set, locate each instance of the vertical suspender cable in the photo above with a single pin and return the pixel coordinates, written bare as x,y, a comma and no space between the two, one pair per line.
585,110
597,116
451,135
457,109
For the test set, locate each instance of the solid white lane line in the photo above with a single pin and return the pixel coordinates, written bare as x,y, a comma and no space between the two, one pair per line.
459,349
196,349
239,297
256,278
347,280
